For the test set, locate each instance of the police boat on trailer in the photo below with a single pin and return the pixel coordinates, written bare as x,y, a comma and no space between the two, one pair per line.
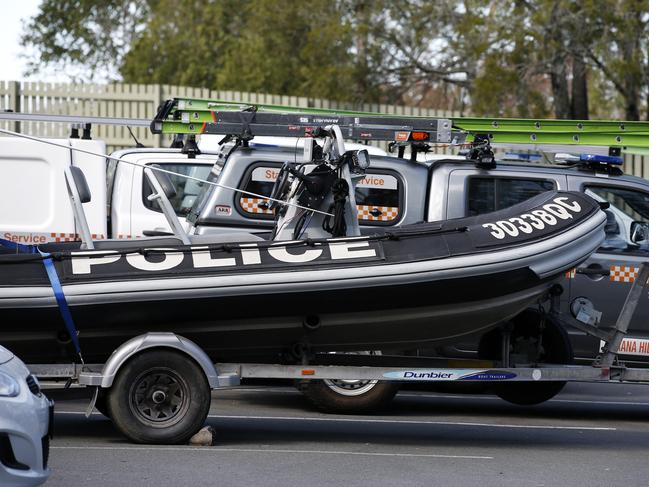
316,285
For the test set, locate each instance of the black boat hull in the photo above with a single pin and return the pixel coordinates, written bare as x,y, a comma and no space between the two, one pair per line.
232,328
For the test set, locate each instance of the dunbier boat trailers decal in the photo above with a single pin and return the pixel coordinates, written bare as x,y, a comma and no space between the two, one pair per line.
226,258
450,375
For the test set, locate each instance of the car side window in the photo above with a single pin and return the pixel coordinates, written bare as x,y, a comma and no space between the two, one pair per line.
186,189
627,217
378,195
378,198
487,194
260,180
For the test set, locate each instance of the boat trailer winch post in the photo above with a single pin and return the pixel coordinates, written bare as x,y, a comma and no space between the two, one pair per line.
612,346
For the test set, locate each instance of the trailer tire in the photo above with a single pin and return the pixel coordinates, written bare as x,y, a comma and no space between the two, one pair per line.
159,397
101,404
350,397
557,350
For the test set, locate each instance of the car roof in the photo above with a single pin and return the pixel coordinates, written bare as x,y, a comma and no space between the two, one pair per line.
533,167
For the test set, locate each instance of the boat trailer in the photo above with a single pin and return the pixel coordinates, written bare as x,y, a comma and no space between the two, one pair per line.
606,368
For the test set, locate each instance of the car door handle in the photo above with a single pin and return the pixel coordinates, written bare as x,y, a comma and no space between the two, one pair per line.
593,271
375,212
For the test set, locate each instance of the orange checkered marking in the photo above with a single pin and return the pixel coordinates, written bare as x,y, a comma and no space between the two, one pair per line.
71,237
388,213
251,205
622,273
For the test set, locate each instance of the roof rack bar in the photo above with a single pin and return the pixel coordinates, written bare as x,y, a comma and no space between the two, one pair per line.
248,123
43,117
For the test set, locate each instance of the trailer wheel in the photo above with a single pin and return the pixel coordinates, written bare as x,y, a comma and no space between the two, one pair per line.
555,349
350,396
159,396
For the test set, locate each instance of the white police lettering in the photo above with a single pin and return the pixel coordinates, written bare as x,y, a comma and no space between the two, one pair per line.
281,254
201,257
250,254
171,259
205,260
549,215
83,265
345,250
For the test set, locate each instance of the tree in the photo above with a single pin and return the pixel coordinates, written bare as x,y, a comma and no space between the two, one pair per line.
296,48
619,52
86,39
498,57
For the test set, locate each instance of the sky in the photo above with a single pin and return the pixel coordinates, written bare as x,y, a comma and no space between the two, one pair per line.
11,65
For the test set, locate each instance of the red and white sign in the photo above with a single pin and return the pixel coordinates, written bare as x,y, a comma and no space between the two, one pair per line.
223,210
632,346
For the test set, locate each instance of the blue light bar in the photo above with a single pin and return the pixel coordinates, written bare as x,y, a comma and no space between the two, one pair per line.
614,160
522,156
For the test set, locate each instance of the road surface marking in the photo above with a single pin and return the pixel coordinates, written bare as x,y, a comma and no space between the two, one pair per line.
394,421
265,450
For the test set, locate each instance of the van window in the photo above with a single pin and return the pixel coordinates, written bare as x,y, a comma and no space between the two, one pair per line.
487,194
627,217
186,189
378,195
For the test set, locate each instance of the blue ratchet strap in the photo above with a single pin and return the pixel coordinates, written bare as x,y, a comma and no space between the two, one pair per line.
56,287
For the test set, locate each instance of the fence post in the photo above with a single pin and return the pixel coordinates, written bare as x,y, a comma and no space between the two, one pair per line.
157,101
14,102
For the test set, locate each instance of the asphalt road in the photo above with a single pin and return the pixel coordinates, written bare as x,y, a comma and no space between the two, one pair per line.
590,435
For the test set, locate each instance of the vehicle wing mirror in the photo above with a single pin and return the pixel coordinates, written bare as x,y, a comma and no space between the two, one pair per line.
359,160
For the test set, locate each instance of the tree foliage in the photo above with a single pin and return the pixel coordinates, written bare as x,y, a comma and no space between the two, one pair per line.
498,57
86,39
